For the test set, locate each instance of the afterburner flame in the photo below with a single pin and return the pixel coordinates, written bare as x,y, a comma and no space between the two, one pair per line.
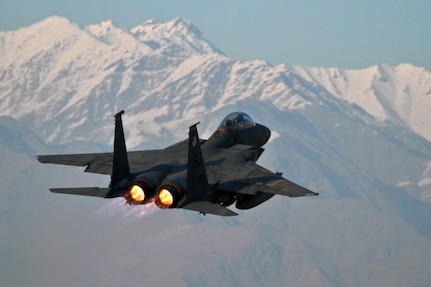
165,198
137,193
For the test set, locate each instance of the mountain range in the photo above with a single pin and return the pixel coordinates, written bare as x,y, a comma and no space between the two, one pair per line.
358,137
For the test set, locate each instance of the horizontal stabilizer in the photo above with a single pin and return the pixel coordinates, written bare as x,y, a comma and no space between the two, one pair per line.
96,162
208,207
88,191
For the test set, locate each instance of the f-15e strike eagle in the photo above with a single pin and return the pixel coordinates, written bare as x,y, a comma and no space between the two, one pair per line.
206,176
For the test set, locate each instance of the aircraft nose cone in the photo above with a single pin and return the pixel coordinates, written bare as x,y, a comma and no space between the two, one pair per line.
264,134
267,134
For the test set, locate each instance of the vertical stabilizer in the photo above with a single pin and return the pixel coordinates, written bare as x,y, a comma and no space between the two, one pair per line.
120,163
197,181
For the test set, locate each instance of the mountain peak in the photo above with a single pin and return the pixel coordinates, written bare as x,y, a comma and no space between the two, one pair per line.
57,22
179,31
33,41
181,22
109,33
408,68
107,23
103,27
153,23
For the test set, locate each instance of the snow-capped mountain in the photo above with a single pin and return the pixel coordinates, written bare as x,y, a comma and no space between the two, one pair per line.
120,68
359,138
401,94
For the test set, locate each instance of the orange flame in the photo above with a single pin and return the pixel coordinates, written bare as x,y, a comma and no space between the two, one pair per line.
165,198
137,193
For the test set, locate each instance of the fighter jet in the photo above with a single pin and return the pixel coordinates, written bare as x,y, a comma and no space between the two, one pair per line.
206,176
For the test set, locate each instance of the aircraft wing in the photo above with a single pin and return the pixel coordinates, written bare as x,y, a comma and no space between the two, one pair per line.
250,178
102,162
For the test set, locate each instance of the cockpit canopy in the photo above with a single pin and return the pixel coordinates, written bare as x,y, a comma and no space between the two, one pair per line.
237,121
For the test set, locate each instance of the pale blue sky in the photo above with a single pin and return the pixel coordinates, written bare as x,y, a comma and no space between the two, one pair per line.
331,33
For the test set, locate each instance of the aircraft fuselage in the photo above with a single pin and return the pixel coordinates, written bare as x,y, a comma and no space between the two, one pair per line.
200,175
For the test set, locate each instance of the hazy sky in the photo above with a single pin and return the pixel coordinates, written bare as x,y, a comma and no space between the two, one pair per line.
341,33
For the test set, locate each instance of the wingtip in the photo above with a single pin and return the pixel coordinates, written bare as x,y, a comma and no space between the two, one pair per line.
39,158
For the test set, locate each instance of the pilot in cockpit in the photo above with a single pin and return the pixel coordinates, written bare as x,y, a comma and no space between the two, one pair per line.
237,121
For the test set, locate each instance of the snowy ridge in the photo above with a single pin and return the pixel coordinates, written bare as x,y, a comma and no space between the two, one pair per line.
107,64
179,31
110,34
401,94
